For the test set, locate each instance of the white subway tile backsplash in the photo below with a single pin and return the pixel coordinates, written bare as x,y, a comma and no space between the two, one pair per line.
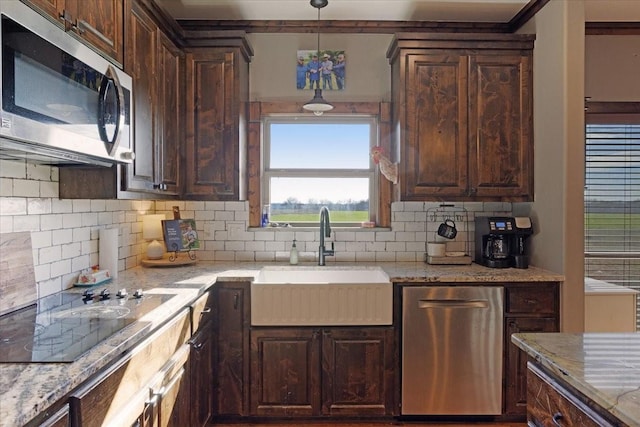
89,219
26,223
38,172
60,268
38,206
61,236
49,255
51,222
65,233
13,169
26,188
81,205
13,206
225,216
61,206
6,224
403,216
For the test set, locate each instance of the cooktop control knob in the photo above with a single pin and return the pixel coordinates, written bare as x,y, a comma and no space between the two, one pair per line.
122,293
87,295
138,294
105,294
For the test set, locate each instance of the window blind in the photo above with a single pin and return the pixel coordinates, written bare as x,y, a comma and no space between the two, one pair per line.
612,202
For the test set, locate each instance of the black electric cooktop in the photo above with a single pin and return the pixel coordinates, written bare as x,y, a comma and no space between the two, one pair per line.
61,327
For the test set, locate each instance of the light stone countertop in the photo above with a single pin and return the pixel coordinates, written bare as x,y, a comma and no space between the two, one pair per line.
604,367
27,389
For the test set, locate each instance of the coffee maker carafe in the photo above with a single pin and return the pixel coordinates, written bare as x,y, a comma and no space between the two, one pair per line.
500,241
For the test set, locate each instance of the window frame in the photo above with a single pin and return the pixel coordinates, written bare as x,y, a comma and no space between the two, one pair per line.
267,173
611,113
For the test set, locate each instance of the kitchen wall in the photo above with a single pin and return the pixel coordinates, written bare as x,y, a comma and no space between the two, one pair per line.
65,232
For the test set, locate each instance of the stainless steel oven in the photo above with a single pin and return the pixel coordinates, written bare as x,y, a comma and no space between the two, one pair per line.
61,101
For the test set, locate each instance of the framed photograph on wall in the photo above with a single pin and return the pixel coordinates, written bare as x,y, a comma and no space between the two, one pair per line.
326,72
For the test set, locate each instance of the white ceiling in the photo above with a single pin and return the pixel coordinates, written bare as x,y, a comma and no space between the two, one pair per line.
386,10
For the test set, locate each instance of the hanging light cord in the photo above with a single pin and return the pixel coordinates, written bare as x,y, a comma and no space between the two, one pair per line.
318,52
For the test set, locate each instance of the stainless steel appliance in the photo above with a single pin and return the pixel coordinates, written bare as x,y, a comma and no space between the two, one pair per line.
62,103
61,327
500,241
452,350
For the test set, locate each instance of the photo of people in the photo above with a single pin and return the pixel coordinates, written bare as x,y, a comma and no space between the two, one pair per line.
325,71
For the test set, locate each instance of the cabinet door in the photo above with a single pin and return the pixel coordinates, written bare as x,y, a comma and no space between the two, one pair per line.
285,372
53,8
516,361
212,163
232,336
170,122
201,374
100,23
140,64
435,144
357,371
500,123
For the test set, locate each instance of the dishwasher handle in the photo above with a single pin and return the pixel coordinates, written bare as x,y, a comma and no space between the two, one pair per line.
453,303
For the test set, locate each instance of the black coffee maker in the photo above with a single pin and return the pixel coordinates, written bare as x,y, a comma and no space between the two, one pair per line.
500,241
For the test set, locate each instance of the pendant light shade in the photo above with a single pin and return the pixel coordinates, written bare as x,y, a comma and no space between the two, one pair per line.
318,105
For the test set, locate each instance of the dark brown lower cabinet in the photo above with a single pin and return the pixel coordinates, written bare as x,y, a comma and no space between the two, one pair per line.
321,372
552,403
231,356
529,307
201,374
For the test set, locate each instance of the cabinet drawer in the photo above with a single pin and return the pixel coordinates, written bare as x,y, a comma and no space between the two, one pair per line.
532,299
101,399
202,311
549,403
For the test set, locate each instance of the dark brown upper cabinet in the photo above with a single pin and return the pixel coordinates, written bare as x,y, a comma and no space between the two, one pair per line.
98,22
462,116
157,68
217,108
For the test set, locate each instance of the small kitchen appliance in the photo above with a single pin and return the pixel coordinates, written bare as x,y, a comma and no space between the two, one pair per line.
500,241
61,103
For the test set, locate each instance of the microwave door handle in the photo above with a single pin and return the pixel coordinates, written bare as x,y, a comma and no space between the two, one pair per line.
109,82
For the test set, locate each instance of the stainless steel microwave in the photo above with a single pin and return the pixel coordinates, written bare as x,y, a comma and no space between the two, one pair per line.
62,103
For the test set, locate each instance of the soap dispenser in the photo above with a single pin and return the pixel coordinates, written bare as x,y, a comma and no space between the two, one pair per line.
293,256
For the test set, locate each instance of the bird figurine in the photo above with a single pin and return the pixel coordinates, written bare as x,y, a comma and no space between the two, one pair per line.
388,169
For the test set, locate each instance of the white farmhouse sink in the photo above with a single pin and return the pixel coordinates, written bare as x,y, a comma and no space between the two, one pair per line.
321,296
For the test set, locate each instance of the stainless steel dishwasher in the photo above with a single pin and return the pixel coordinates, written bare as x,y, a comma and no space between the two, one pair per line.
452,350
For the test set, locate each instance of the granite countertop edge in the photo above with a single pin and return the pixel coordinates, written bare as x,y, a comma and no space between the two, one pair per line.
563,355
30,388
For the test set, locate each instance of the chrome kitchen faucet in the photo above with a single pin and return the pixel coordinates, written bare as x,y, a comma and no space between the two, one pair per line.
325,231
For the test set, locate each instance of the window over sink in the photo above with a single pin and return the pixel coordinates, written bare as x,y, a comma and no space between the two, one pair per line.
310,162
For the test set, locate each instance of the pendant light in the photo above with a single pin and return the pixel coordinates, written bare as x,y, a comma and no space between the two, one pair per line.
318,105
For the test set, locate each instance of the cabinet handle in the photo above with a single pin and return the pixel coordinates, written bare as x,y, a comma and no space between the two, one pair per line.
149,412
236,300
82,26
206,310
557,418
316,334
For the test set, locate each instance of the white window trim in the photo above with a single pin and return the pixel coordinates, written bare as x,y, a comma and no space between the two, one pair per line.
267,173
